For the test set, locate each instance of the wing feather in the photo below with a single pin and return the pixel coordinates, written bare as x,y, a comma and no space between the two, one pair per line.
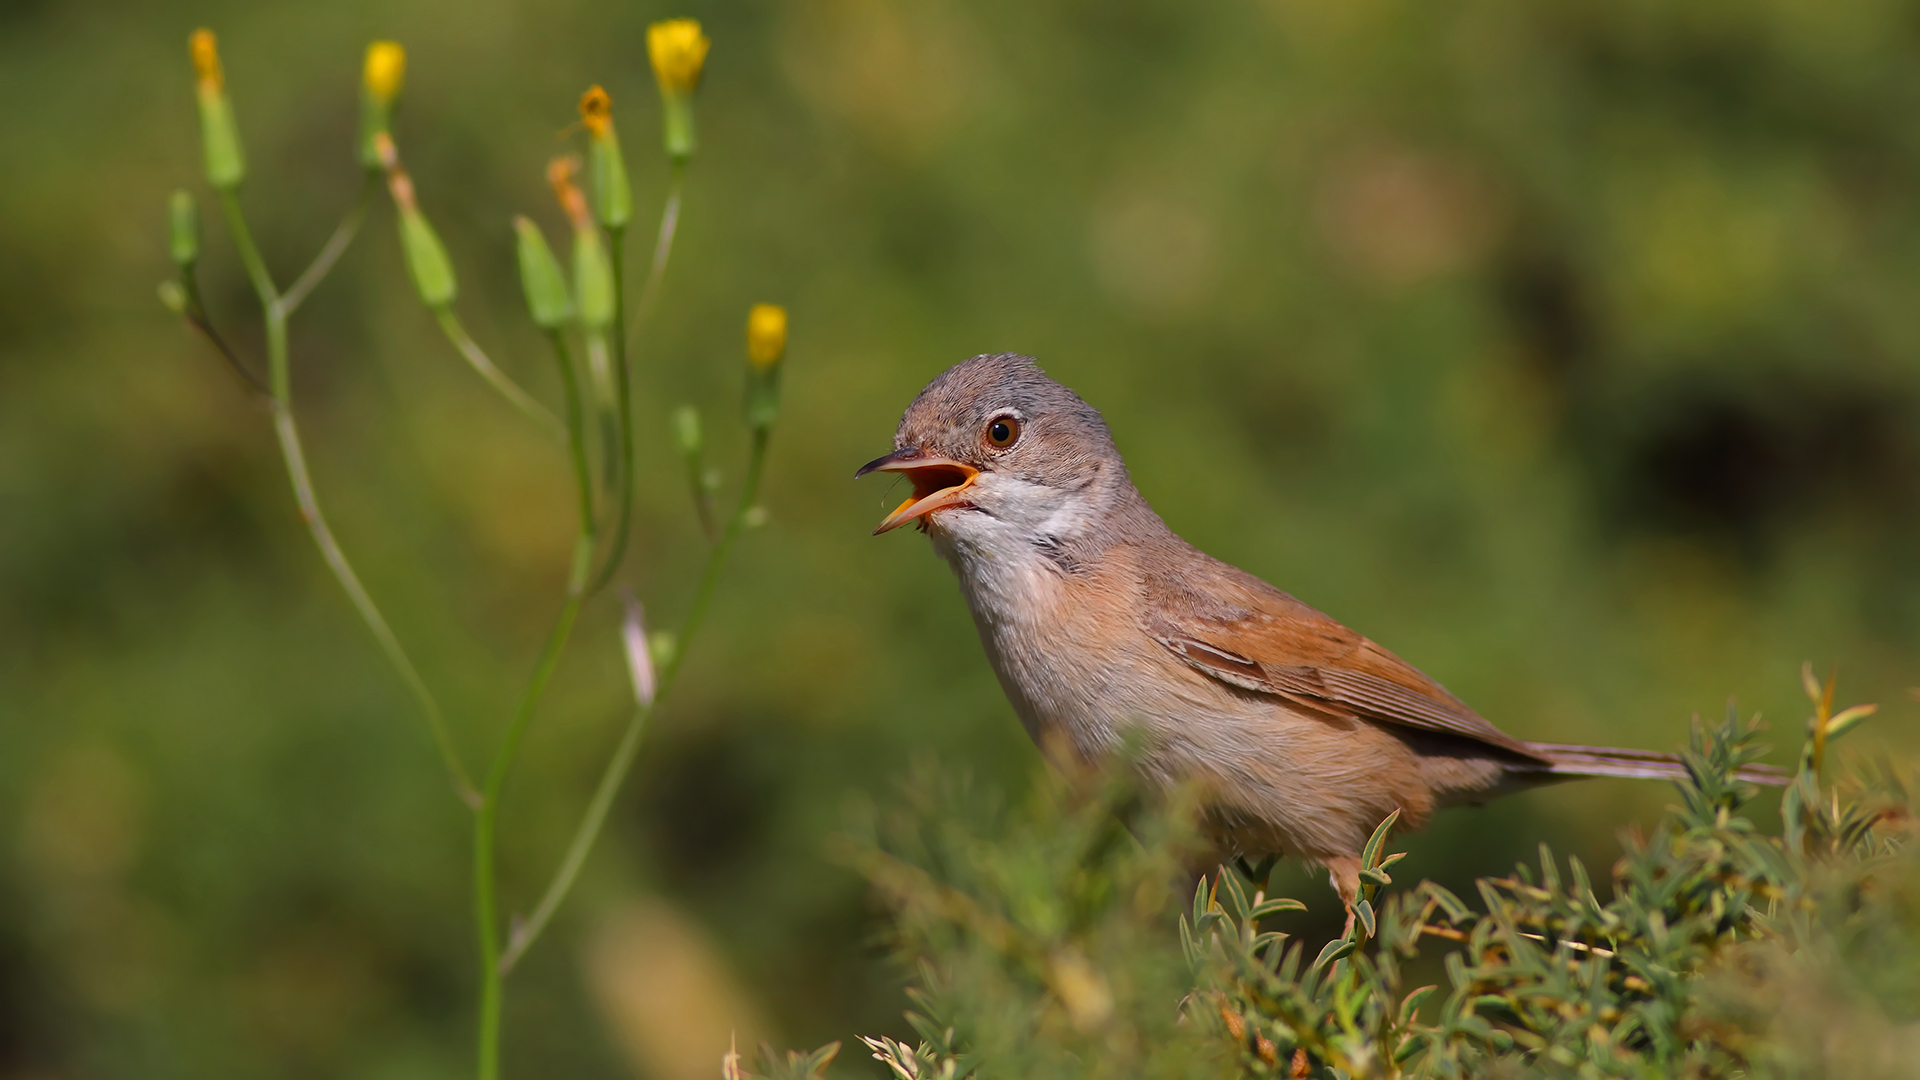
1268,642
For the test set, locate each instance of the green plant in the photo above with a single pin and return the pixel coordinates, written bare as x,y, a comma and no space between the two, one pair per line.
587,307
1044,947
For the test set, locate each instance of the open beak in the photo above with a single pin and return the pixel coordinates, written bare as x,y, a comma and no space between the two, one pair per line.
938,483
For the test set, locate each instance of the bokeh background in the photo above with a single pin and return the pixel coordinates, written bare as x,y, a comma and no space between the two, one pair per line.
1571,350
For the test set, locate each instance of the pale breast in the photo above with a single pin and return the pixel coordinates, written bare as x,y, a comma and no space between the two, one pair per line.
1069,652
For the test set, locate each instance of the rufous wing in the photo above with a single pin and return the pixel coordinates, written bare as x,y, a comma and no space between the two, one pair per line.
1246,633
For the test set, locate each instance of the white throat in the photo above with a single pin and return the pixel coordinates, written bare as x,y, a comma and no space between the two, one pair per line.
1011,524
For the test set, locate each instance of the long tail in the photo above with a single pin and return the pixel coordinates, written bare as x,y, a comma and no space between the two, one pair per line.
1571,761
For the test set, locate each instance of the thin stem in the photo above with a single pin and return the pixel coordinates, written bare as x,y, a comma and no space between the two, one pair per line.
336,246
622,376
196,315
615,774
606,419
471,351
250,255
576,431
662,249
336,560
581,845
662,245
710,581
290,449
485,885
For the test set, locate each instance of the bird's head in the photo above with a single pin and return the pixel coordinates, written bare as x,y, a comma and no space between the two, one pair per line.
992,442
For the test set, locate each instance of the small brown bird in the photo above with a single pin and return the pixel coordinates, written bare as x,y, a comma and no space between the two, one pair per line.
1102,623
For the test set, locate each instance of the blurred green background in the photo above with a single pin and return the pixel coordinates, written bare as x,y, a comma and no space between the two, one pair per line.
1570,350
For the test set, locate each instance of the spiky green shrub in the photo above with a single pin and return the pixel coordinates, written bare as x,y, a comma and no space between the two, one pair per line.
1045,945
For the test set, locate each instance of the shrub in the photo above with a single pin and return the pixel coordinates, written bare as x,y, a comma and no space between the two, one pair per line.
1044,945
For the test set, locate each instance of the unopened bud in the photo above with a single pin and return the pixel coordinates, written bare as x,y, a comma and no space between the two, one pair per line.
766,334
382,76
664,647
640,662
219,135
560,177
206,60
540,277
678,52
686,432
596,111
606,167
385,71
592,273
427,260
766,344
593,278
183,233
173,297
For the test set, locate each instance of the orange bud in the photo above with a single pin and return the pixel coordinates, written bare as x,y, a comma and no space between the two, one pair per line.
206,60
596,111
560,177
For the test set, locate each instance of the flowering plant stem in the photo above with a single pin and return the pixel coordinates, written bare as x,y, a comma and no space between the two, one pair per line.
276,309
477,358
335,247
615,774
485,886
662,249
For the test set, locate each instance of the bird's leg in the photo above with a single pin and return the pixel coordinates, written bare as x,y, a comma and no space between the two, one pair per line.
1344,872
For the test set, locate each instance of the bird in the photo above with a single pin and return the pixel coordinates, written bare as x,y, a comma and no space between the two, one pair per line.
1110,634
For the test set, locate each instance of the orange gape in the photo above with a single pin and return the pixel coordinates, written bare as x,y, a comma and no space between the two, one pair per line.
1107,629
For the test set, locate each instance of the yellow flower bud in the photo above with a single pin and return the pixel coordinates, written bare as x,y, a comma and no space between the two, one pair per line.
596,111
677,50
385,71
766,344
206,61
766,335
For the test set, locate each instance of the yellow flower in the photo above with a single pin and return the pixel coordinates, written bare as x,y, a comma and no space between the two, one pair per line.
386,69
677,49
206,60
596,111
766,335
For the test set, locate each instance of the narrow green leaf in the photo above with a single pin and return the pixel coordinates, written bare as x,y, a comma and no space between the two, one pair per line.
1274,907
1334,950
1370,855
1363,912
1410,1005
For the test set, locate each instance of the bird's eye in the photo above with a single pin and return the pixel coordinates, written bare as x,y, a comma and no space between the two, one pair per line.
1002,430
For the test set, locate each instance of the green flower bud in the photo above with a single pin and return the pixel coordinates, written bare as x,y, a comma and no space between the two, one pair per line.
540,276
173,297
219,136
184,230
607,169
427,260
686,432
593,278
